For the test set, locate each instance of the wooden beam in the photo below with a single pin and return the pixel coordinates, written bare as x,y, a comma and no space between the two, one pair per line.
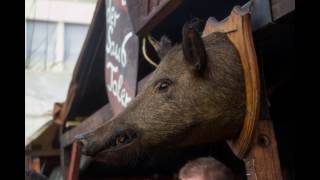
147,14
260,13
281,7
41,153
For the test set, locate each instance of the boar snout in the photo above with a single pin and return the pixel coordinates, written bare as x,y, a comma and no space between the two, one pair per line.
92,144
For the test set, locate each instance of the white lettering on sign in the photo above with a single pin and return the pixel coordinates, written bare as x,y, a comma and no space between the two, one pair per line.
112,48
118,52
116,86
112,15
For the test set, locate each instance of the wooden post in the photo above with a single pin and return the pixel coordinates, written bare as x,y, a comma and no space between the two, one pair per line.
73,169
262,160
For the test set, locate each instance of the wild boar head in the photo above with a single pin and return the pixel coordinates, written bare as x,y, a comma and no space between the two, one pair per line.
195,96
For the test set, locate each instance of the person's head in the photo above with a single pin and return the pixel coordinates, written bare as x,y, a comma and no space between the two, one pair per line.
205,169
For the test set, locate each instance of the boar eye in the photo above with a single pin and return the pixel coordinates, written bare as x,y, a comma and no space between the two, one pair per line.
163,85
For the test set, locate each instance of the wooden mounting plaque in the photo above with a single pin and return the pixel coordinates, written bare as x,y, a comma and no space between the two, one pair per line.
256,144
238,28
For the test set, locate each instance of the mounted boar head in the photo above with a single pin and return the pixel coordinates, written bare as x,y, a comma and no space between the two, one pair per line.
195,96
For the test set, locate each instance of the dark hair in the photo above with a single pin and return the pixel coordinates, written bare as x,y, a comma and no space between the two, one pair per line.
208,167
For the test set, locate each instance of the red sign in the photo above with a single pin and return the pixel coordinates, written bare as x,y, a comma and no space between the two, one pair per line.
122,47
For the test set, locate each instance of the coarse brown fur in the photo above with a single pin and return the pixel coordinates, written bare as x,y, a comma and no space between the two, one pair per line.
196,108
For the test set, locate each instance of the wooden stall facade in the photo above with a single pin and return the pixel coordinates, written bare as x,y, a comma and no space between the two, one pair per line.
88,101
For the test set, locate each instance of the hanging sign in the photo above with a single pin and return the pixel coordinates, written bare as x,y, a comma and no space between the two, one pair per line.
122,47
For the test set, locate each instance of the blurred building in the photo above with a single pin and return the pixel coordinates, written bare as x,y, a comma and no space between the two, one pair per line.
55,31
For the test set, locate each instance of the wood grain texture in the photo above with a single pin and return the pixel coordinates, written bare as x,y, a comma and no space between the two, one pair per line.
262,161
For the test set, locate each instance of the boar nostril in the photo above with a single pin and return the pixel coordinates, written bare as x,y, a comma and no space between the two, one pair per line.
83,142
83,138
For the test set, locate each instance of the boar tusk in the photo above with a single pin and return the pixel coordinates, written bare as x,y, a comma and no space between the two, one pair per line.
145,53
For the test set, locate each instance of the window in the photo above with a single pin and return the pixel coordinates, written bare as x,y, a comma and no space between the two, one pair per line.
41,39
74,37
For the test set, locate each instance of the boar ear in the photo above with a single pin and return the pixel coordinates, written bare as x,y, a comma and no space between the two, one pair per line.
165,46
193,48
